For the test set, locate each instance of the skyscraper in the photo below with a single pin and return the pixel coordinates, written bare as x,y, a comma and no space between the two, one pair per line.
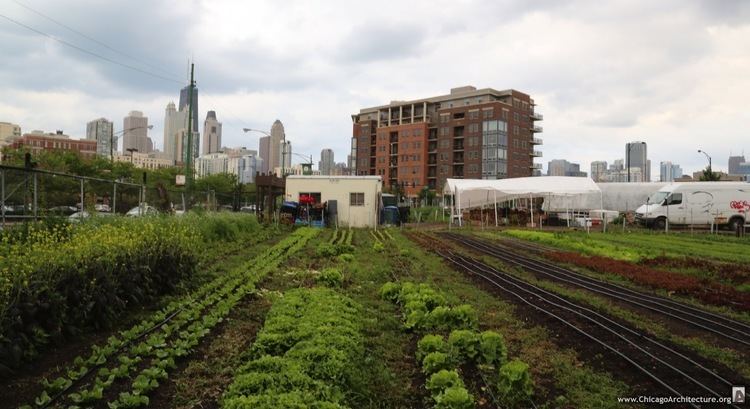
561,167
184,98
668,171
101,130
135,134
326,163
285,155
277,137
264,151
636,157
734,164
598,170
211,134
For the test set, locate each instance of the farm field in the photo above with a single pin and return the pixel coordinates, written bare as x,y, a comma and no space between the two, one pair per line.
218,311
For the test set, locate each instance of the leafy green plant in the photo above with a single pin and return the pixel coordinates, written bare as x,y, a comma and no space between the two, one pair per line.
454,397
436,361
442,380
492,349
514,382
464,345
430,343
378,247
330,277
390,291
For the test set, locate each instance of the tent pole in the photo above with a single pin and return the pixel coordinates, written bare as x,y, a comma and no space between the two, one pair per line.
604,217
496,208
531,206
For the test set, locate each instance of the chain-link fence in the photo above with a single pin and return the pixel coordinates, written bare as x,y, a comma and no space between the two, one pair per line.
33,194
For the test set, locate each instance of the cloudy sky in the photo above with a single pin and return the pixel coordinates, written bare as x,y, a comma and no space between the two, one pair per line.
672,73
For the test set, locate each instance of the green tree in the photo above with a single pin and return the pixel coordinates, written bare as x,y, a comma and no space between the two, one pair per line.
709,175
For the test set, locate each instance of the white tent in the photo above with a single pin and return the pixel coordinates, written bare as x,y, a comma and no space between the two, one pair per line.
471,193
621,197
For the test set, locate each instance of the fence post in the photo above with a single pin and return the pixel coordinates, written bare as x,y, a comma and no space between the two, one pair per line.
2,194
82,199
36,197
114,198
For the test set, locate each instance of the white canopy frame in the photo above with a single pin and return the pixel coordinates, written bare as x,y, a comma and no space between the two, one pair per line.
469,193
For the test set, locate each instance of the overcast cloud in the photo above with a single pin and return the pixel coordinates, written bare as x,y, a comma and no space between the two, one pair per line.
671,73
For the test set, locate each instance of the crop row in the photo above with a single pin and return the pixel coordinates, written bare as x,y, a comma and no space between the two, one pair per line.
306,355
151,347
704,290
479,353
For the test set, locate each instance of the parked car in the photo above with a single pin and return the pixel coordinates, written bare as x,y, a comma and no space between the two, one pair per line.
62,210
248,209
143,210
78,216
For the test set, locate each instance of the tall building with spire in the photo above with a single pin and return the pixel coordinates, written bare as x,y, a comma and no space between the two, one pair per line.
135,133
277,137
211,134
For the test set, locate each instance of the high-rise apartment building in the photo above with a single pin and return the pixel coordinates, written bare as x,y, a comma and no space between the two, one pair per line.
598,170
264,151
285,158
184,98
326,164
211,134
469,133
636,156
135,133
102,131
668,171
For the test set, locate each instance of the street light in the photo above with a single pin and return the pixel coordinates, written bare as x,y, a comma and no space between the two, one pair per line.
710,169
630,145
112,140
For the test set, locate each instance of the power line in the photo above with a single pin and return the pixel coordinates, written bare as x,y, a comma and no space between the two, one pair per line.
83,50
93,39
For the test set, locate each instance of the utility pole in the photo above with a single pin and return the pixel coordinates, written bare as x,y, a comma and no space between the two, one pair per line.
189,151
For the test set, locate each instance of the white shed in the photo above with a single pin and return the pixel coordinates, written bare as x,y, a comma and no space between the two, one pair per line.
357,198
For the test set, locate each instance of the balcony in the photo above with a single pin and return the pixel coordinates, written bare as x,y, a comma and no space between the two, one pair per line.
536,128
536,154
536,116
536,166
536,141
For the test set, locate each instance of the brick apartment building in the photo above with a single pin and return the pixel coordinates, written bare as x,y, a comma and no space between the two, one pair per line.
38,141
469,133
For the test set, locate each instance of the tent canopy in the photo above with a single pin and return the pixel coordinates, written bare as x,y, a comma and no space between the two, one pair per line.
480,192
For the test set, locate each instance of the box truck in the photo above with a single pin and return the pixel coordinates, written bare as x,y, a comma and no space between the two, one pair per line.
697,203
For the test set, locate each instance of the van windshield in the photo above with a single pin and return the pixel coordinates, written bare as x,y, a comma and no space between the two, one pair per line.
658,197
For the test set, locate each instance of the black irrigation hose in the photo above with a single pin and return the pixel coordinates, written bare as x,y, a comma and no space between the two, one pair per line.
659,299
576,279
510,279
123,346
631,331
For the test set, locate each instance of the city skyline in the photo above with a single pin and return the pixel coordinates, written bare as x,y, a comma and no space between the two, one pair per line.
594,90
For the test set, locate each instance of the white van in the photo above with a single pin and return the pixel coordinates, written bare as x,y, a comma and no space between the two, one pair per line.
697,203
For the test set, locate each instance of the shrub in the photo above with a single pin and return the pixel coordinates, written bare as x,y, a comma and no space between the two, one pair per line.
331,277
464,345
492,349
514,383
345,258
325,250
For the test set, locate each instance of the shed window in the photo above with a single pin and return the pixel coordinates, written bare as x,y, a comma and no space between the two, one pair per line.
356,199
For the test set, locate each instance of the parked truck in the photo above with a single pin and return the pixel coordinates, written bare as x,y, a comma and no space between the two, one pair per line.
697,203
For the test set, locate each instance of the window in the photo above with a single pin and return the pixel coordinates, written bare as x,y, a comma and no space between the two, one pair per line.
473,128
675,198
505,114
488,113
473,114
356,199
515,129
459,115
444,118
444,131
515,116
